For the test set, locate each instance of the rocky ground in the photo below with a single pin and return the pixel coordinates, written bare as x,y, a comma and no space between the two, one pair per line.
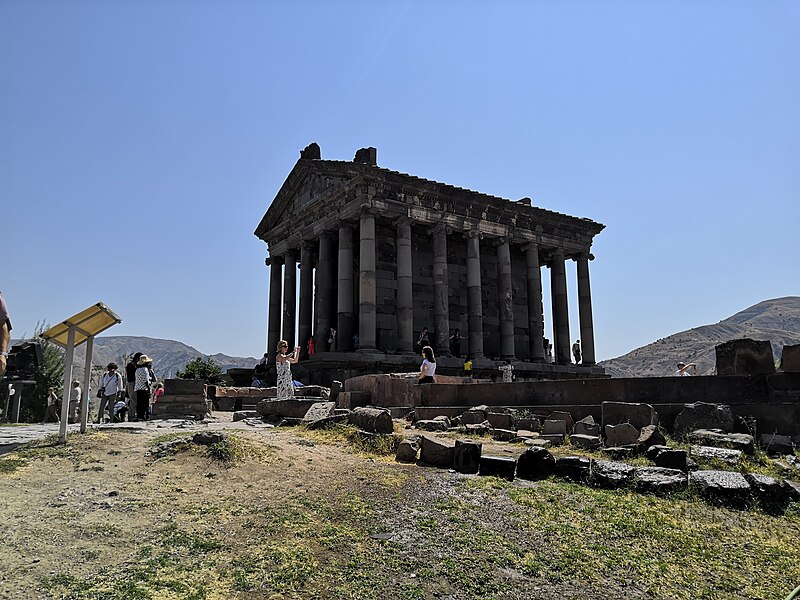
291,513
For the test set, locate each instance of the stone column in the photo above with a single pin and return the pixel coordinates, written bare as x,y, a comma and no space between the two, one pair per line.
304,326
474,302
323,301
290,297
441,292
344,314
506,299
275,294
558,286
405,293
366,283
585,311
535,305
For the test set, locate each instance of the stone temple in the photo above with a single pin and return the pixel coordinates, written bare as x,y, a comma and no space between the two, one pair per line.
383,254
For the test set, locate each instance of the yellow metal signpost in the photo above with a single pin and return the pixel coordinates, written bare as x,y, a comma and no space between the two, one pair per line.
79,328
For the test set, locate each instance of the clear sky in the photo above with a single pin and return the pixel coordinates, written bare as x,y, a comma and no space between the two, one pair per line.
141,143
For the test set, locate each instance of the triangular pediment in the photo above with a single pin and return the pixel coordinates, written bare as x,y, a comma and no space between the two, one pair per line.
306,184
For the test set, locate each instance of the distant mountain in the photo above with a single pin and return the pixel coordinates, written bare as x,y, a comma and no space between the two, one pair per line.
168,355
777,321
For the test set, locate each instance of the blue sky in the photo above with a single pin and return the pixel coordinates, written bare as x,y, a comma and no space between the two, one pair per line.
141,143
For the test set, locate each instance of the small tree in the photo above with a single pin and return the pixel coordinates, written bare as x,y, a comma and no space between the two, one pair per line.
206,369
49,374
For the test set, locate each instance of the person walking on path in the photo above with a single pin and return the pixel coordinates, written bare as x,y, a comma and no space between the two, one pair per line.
468,366
428,367
576,351
5,335
51,412
424,338
111,389
142,387
283,361
683,370
130,377
332,340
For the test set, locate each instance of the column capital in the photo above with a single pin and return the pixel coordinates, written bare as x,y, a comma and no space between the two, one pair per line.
307,244
499,241
366,210
327,235
530,246
276,260
290,252
473,233
440,227
402,221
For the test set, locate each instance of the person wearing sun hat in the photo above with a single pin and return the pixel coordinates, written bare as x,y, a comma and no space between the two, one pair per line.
142,386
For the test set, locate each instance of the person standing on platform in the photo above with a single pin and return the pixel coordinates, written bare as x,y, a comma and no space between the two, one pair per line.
74,401
130,377
576,351
507,369
111,390
468,366
455,343
424,338
683,370
52,407
428,367
332,340
142,387
5,335
283,362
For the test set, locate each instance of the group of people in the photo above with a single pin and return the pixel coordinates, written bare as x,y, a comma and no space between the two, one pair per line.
130,396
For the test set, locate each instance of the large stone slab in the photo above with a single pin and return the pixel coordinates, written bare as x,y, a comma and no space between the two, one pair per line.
611,474
500,420
790,359
587,426
498,466
504,435
294,408
650,435
552,426
621,435
726,455
436,452
776,445
573,468
637,414
478,428
555,439
736,441
535,463
561,415
431,425
319,410
672,458
702,415
587,442
657,480
184,387
723,487
407,451
473,417
767,489
745,357
375,420
467,456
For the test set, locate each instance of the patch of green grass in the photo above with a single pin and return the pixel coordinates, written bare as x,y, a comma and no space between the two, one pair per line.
673,548
370,444
11,464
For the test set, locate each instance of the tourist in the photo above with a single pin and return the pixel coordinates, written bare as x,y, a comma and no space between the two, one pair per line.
576,351
468,366
507,369
424,339
111,389
5,335
256,383
142,388
130,377
428,368
159,391
455,343
683,370
356,341
120,411
283,362
332,340
548,351
264,359
311,347
51,412
74,401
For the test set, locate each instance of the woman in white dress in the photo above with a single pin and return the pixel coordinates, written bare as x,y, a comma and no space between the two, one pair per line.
283,362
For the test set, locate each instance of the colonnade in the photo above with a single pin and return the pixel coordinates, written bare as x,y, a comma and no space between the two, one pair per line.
332,306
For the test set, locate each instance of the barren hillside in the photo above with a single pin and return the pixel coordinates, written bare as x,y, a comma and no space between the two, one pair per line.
776,320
